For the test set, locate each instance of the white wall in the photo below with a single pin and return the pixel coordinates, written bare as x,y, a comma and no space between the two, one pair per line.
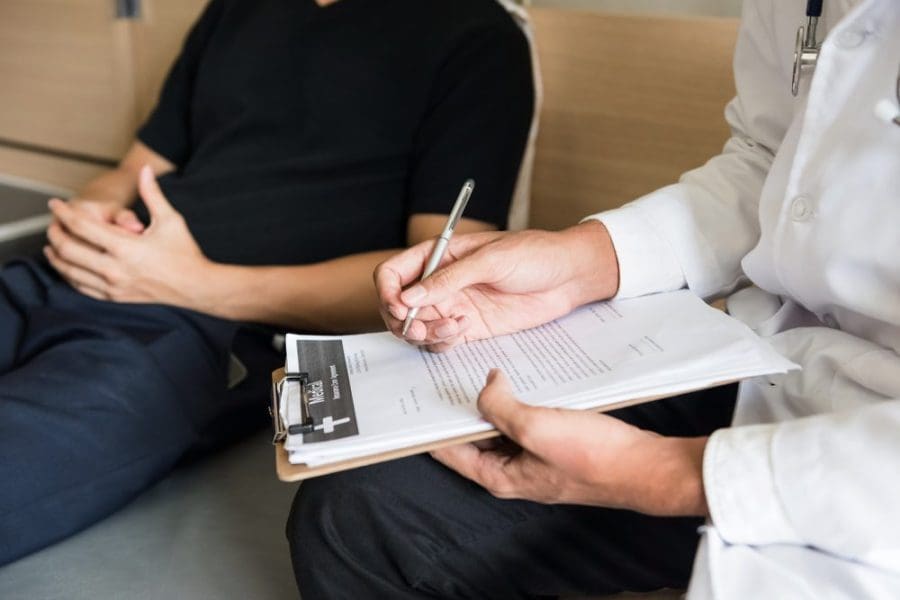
724,8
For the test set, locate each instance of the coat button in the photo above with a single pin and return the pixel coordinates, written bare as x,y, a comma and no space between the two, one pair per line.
829,320
801,210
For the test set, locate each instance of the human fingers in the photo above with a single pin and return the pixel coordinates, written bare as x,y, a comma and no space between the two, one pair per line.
524,424
91,292
449,280
103,235
445,345
406,268
99,211
77,277
503,473
388,286
438,329
77,252
484,467
156,202
447,335
398,271
442,330
415,336
418,330
128,220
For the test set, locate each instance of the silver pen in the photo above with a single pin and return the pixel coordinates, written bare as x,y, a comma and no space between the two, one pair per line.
440,246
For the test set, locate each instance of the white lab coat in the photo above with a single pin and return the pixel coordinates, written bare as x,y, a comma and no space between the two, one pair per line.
804,203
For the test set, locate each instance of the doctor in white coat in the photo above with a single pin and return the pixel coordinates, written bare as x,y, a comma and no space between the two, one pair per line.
801,213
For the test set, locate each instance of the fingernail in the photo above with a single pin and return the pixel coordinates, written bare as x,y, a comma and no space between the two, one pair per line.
396,312
463,323
492,375
445,331
408,331
413,294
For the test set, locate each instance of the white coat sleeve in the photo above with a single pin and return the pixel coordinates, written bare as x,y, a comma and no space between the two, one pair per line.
829,481
698,230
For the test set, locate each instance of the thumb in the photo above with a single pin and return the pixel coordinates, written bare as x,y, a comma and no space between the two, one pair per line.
497,404
445,282
520,422
127,220
156,202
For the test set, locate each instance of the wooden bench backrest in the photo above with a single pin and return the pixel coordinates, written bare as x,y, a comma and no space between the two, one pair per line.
77,80
630,103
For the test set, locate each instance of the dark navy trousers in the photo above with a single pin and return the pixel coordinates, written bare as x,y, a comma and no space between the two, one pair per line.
99,400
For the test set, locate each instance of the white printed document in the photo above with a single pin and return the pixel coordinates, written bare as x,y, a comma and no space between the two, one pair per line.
373,393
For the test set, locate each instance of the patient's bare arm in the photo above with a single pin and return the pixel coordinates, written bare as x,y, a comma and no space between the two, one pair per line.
332,296
163,264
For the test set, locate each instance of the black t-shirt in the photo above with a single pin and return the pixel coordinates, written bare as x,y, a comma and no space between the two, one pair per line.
302,133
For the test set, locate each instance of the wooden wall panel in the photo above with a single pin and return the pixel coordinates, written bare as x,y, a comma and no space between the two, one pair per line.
630,102
74,79
56,172
66,75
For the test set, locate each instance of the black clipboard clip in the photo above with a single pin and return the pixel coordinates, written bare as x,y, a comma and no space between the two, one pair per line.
306,423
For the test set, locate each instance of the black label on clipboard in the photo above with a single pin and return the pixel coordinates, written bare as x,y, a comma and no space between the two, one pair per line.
330,398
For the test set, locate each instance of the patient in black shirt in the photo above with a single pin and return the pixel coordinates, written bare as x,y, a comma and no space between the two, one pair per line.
287,113
295,145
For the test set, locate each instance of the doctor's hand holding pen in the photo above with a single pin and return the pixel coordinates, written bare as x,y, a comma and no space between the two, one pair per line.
496,283
490,284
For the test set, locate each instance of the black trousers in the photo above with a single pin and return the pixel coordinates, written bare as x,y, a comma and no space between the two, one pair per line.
100,400
414,529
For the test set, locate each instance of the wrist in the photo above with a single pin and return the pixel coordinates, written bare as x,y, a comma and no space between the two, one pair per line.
238,292
203,287
112,199
596,268
98,205
676,478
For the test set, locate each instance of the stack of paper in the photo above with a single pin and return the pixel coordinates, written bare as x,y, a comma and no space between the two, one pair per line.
368,394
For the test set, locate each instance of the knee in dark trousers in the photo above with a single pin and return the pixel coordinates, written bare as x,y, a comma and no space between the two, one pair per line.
350,538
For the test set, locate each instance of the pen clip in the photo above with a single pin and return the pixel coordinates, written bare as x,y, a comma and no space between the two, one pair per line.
460,205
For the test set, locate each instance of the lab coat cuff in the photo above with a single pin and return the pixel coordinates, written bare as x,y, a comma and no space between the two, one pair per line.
647,263
741,492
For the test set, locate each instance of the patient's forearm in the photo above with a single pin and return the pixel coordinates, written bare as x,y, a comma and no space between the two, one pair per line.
334,296
118,187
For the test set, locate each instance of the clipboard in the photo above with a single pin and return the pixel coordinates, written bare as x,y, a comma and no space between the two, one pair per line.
288,472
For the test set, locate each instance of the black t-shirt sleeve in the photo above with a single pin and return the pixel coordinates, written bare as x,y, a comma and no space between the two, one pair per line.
167,130
477,125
